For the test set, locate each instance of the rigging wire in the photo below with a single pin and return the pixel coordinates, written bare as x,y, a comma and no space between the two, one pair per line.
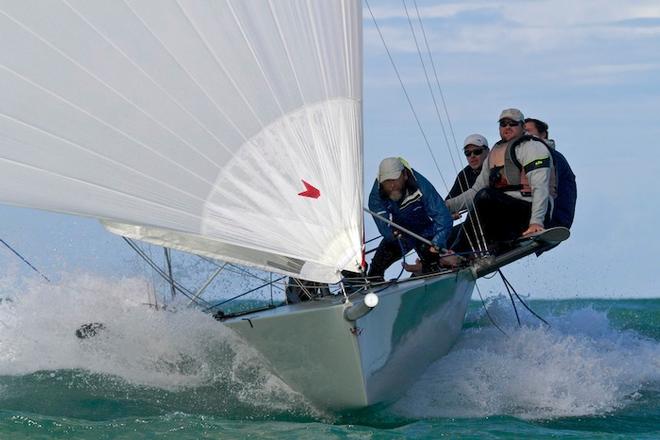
513,303
405,92
507,284
271,288
482,244
403,256
435,74
168,262
24,259
412,108
208,282
490,318
213,306
299,283
236,269
187,293
428,83
372,239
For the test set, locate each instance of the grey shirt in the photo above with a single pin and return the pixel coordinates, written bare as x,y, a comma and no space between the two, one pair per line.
539,181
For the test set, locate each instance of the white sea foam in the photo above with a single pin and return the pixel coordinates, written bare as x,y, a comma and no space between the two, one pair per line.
140,345
579,366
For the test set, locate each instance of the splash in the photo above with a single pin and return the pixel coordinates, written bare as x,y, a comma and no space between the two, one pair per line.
172,351
580,366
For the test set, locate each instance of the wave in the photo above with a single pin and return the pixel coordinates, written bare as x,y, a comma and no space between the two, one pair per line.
579,366
582,365
177,354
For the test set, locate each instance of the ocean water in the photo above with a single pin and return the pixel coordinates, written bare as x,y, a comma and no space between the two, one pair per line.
594,373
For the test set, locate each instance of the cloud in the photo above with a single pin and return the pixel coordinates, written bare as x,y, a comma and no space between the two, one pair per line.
647,22
558,42
485,27
395,9
562,13
609,73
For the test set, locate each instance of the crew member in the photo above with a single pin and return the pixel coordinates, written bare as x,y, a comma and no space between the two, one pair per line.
409,200
513,195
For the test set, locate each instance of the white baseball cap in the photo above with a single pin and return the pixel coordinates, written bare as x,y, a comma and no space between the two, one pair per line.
389,168
477,140
512,113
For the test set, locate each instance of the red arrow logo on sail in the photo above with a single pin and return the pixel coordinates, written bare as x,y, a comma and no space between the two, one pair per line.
310,191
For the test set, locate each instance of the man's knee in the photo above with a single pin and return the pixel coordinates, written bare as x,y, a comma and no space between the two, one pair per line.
486,196
386,254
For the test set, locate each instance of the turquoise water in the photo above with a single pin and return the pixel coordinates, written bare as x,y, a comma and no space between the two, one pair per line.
595,373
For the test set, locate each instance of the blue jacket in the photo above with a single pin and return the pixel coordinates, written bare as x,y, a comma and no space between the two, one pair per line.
421,210
564,210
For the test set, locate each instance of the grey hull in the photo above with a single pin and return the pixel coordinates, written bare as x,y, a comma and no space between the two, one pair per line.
342,364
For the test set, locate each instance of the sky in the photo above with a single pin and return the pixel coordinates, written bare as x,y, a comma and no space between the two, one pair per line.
591,69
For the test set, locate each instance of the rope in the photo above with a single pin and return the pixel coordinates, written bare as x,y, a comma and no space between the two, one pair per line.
213,306
24,259
168,261
372,239
428,83
403,256
515,309
507,284
483,303
187,293
235,269
405,92
412,108
481,244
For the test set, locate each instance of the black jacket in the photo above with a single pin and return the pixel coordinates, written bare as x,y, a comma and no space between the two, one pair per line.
467,178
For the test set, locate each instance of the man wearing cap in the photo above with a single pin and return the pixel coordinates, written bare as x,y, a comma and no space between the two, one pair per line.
513,194
564,209
409,200
475,148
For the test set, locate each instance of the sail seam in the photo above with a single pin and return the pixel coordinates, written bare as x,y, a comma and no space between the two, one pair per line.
221,65
190,75
155,83
91,115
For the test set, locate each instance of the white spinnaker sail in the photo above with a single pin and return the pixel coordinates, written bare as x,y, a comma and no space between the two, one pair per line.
191,123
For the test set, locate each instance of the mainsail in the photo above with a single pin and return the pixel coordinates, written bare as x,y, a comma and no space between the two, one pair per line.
227,128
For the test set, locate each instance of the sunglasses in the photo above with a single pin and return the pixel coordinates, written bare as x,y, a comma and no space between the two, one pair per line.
509,123
475,152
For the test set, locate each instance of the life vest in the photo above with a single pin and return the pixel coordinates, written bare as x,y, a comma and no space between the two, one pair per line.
513,176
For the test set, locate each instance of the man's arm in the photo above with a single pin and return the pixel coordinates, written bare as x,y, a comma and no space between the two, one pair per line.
377,205
437,210
537,163
464,200
458,186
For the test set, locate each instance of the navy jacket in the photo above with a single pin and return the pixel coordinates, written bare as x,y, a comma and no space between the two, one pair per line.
421,210
564,210
464,180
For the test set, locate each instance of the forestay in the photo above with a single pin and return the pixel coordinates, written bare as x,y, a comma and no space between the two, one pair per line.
227,128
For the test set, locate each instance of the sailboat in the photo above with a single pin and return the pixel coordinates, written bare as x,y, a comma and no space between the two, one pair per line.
232,130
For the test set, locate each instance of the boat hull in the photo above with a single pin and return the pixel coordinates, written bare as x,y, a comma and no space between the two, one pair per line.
340,364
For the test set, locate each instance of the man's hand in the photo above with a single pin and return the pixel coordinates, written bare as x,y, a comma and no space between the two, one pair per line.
414,268
458,214
533,228
450,259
